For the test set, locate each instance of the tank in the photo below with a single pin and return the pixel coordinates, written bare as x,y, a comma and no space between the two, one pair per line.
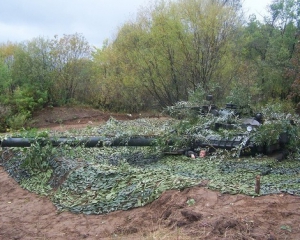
235,127
241,134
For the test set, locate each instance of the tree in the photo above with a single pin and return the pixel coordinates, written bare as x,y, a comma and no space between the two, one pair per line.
294,73
176,47
7,52
30,76
68,55
271,46
211,30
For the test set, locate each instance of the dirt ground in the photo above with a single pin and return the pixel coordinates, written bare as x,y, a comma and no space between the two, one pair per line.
210,214
65,118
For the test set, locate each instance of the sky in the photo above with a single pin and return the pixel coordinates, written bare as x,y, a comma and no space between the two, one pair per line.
96,20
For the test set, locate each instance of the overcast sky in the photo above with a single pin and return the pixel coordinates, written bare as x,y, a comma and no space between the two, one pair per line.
97,20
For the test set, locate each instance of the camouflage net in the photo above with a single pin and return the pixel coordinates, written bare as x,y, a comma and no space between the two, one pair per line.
12,161
98,181
62,167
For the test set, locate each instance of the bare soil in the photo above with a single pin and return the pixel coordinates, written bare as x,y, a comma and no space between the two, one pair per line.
65,118
212,215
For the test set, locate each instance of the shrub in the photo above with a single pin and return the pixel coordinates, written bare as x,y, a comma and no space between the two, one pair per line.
5,111
18,120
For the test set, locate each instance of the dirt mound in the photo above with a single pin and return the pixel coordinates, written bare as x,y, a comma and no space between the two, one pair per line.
210,215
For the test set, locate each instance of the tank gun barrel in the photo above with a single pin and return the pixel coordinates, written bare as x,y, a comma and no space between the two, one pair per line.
138,141
212,142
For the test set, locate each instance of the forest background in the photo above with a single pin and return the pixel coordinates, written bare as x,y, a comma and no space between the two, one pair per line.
174,51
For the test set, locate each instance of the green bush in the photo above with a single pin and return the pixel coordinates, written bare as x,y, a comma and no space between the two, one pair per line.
37,157
18,120
276,106
5,111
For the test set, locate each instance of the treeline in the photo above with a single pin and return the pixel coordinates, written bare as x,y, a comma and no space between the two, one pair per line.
174,51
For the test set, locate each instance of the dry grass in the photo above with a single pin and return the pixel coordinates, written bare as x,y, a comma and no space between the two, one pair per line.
159,234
